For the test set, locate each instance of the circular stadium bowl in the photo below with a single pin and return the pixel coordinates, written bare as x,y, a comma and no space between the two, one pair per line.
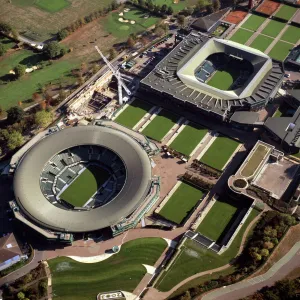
33,165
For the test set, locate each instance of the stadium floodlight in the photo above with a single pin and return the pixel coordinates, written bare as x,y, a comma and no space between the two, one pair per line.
117,74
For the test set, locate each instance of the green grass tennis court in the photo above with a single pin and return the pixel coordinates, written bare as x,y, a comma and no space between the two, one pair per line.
222,80
194,259
72,280
253,22
273,28
181,203
85,185
188,139
219,152
217,219
286,12
280,50
133,113
241,36
53,5
292,35
261,43
160,125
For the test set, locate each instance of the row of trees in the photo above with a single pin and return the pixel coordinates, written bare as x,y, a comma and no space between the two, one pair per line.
265,237
62,34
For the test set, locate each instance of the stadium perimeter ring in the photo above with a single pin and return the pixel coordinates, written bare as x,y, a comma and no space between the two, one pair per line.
33,203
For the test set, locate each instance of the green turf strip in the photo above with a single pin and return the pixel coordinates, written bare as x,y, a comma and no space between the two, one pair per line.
254,161
292,35
188,139
273,28
85,185
219,152
160,125
241,36
280,50
72,280
286,12
52,5
261,43
217,219
253,22
195,259
181,203
133,113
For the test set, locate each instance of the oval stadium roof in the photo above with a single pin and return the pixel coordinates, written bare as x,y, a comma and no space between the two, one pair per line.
34,204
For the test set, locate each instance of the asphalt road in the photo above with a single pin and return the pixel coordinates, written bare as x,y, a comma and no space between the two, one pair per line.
248,287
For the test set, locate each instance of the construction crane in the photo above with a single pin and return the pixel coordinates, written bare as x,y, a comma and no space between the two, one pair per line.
117,74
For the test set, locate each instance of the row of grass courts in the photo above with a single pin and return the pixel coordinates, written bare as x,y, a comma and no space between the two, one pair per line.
219,218
289,35
160,125
181,203
72,280
188,139
133,113
220,151
85,186
194,259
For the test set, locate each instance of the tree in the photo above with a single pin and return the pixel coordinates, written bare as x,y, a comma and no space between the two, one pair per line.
141,3
62,34
209,9
54,50
159,31
130,42
43,118
14,114
114,5
255,256
268,245
181,20
21,296
5,28
264,252
216,5
112,53
2,50
170,10
36,97
15,140
19,70
163,8
1,111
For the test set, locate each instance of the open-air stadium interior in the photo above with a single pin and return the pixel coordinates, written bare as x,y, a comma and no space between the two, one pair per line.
56,164
182,79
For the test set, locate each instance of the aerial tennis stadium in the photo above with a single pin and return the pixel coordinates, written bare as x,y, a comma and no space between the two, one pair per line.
84,179
214,77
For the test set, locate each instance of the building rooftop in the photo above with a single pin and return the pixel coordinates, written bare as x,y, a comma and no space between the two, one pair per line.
9,248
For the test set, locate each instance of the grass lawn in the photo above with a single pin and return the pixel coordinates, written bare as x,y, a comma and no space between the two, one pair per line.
217,219
188,139
254,161
21,90
273,28
53,5
123,271
181,203
194,259
122,30
85,185
219,152
133,113
280,51
292,35
253,22
261,43
160,125
221,80
286,12
241,36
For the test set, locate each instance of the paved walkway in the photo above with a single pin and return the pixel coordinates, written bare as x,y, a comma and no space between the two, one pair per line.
247,287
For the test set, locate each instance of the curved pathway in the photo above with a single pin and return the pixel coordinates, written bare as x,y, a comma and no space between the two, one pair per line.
154,294
247,287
